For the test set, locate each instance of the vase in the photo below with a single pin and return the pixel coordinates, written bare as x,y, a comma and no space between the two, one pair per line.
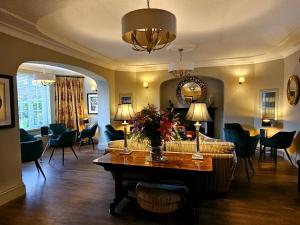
156,154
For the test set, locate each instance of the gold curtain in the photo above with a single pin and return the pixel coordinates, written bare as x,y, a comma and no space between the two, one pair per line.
69,101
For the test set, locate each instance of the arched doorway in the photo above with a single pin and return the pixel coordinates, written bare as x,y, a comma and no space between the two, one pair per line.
102,87
215,91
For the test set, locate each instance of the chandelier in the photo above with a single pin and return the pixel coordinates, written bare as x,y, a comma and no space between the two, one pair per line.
148,29
181,68
44,78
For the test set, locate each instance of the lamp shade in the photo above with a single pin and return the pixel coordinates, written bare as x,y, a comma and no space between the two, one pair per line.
266,122
124,112
198,112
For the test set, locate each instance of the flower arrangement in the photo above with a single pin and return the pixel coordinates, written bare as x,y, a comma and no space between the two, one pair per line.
155,125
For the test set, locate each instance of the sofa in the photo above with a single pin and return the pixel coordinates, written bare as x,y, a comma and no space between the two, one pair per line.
223,156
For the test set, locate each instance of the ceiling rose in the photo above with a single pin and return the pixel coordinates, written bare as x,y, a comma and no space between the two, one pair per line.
181,68
148,29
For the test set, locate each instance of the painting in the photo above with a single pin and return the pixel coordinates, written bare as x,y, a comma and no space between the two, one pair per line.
269,104
92,103
7,118
125,98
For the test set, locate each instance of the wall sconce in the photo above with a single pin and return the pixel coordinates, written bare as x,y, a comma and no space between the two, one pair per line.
241,80
145,84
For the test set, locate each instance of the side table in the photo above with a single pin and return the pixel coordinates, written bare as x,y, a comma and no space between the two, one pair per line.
45,139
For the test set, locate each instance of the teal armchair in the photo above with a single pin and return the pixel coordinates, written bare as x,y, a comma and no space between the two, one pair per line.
88,133
65,140
25,136
281,140
57,129
31,150
245,146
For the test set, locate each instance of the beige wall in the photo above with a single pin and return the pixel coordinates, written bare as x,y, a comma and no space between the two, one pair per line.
240,101
291,114
13,53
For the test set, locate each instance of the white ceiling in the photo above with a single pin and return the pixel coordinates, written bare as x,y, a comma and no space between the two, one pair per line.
223,31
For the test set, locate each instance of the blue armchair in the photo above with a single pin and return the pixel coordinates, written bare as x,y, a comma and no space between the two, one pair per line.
57,129
245,146
281,140
31,149
112,134
67,139
88,133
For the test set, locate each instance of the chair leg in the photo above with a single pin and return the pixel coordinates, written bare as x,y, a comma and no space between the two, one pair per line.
93,143
51,155
251,165
275,157
288,155
80,143
39,168
63,156
247,169
73,152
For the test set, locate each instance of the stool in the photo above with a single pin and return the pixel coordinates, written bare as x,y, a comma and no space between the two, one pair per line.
160,198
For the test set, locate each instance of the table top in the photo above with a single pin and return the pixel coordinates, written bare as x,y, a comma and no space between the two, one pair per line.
180,161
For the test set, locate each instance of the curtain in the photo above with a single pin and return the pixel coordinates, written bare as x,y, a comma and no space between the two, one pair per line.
69,101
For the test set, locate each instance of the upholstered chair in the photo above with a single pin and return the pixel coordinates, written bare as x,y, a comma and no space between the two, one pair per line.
112,134
31,149
57,129
88,133
281,140
245,146
67,139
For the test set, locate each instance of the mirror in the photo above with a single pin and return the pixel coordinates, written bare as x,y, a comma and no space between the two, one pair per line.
191,89
293,90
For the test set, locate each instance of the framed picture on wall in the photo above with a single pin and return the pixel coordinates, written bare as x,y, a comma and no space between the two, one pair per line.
92,103
269,103
125,98
7,112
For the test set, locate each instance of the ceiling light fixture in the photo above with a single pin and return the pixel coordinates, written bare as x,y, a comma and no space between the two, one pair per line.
181,68
44,78
148,29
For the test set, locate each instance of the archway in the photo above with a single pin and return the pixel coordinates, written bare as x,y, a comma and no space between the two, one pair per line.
215,91
103,116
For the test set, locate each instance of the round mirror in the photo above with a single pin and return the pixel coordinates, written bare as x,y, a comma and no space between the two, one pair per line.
293,90
191,89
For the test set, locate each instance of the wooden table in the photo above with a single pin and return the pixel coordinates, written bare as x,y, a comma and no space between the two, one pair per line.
179,166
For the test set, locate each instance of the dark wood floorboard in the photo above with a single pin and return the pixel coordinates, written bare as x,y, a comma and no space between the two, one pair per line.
80,193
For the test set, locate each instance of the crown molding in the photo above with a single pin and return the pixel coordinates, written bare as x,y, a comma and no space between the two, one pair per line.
55,46
85,56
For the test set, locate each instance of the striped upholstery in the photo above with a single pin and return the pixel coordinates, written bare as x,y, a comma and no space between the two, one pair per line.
160,198
223,155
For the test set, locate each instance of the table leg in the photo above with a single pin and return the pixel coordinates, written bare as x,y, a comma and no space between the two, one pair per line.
119,192
46,146
192,201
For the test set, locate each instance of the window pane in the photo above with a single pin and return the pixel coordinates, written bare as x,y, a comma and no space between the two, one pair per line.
33,101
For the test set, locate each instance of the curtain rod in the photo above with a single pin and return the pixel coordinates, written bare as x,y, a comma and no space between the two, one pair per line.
69,76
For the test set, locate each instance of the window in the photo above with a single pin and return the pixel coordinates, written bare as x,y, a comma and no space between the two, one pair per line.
33,101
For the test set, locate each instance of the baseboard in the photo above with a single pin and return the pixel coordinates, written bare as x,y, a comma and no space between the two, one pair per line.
12,193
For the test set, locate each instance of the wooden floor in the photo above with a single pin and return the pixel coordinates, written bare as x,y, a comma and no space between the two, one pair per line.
80,193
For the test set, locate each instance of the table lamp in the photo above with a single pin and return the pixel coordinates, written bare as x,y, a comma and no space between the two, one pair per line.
124,112
266,123
198,113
